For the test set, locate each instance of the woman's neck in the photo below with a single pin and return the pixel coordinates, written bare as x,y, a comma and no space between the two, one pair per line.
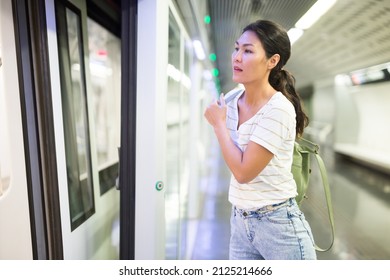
256,95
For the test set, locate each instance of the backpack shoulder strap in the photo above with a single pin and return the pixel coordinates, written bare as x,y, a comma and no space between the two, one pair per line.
325,182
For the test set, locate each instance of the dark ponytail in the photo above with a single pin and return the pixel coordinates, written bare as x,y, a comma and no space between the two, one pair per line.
284,82
274,40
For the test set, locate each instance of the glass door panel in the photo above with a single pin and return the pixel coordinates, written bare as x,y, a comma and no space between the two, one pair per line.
185,87
105,69
179,85
172,204
75,117
89,54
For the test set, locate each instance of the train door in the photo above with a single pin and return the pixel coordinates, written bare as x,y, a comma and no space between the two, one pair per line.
85,54
178,133
60,130
167,133
15,233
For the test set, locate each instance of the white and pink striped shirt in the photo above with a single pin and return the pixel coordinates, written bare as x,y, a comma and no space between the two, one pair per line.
272,127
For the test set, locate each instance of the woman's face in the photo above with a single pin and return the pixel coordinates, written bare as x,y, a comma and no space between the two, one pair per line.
249,60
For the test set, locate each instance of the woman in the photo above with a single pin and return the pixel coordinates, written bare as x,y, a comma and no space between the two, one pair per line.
256,132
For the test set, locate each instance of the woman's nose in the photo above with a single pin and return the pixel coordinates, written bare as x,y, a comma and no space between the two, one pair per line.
237,56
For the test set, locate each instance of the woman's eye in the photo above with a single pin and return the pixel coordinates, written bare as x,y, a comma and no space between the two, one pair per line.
248,51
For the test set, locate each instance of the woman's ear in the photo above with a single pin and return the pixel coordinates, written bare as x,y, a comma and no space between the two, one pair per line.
273,61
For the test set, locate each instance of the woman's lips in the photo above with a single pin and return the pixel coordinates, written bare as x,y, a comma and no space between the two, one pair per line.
235,68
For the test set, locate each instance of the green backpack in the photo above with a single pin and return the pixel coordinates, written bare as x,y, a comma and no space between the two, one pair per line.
301,170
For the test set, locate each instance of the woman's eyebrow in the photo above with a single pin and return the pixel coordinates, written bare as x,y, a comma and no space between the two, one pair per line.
245,45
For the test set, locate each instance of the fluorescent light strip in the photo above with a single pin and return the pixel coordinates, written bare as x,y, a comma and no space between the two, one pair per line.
314,13
309,18
294,34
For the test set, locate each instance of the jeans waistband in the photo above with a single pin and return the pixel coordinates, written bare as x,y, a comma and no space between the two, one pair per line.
265,209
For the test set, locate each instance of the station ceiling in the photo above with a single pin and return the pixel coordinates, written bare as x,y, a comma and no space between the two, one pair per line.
353,34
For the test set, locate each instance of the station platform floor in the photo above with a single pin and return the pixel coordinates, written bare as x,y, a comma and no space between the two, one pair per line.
361,203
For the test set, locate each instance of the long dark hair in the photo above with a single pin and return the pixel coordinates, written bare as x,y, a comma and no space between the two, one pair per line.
274,40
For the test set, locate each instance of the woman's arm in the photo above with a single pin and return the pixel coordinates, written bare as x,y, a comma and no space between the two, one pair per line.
246,165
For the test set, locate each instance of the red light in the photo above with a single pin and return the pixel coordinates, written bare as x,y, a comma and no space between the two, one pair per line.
102,52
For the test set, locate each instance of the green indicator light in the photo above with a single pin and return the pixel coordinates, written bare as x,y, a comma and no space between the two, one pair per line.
207,19
213,57
215,72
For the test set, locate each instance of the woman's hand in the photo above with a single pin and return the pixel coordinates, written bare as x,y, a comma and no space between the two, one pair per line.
215,113
246,165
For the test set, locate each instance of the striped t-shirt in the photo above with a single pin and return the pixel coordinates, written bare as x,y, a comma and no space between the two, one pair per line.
272,127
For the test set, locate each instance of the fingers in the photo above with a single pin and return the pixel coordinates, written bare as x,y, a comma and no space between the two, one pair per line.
222,100
215,113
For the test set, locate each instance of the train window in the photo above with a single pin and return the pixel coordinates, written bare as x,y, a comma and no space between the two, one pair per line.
105,69
75,115
4,154
177,145
172,195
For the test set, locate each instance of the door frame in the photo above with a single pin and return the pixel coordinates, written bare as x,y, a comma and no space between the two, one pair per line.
38,127
127,155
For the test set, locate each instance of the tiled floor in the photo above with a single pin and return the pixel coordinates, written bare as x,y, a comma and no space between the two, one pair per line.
212,238
361,202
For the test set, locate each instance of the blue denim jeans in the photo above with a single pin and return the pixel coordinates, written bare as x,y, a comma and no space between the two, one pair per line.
274,232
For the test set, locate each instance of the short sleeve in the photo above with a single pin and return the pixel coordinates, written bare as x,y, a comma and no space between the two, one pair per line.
273,128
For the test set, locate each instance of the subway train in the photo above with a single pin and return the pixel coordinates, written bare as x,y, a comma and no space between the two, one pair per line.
104,150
